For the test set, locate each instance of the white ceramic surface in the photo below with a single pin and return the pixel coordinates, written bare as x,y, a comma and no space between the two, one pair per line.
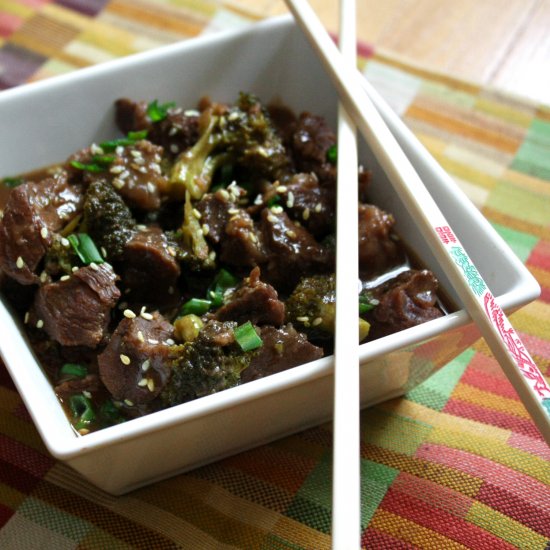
44,122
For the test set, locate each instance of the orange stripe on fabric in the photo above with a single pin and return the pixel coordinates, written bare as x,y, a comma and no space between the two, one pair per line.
515,223
301,536
464,128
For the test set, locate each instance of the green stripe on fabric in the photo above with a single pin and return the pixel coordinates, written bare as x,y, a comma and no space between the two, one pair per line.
436,390
519,203
533,156
274,542
520,242
390,431
375,481
444,93
54,519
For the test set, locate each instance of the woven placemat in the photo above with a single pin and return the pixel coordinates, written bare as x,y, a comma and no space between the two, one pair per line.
456,463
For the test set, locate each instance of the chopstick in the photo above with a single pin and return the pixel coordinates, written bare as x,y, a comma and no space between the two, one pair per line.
346,477
468,283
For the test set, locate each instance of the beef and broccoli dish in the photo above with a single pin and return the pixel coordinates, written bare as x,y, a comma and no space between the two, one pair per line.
191,255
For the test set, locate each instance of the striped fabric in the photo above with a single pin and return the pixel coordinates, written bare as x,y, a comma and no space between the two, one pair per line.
456,463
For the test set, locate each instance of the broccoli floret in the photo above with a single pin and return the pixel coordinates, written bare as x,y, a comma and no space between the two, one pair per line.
60,259
239,135
107,218
206,365
312,308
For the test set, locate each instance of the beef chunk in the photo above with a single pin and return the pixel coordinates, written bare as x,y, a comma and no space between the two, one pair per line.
242,244
282,349
378,246
135,365
293,252
255,301
214,209
311,204
405,301
67,388
310,143
33,212
149,267
76,311
175,133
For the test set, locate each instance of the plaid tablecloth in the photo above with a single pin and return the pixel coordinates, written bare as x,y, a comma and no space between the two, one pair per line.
456,463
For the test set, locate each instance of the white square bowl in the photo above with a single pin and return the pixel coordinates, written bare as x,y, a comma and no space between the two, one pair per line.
44,122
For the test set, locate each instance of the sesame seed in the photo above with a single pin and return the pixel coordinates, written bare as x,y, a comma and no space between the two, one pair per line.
141,227
142,169
276,209
224,194
205,229
173,131
172,251
116,169
140,161
118,183
314,176
94,266
44,233
64,278
290,234
258,200
140,336
87,394
146,316
197,214
135,153
39,323
103,251
150,384
124,174
129,314
74,269
212,255
65,242
305,214
142,382
233,211
318,207
174,148
119,150
317,321
155,168
83,431
290,199
281,189
271,218
150,187
124,359
170,342
128,403
26,320
96,149
43,277
152,341
20,263
303,319
145,365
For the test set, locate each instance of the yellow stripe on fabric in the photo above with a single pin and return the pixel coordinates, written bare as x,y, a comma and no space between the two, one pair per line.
66,16
509,220
9,399
484,446
53,67
10,497
18,9
435,145
541,275
296,533
535,318
444,421
517,114
476,194
445,476
488,400
120,43
469,157
408,531
98,538
504,527
199,502
22,431
528,182
467,171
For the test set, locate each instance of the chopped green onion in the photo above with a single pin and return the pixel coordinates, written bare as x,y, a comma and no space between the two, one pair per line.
73,370
224,177
222,282
110,414
12,182
99,163
82,410
196,306
247,337
159,111
332,154
85,248
366,303
130,139
276,199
